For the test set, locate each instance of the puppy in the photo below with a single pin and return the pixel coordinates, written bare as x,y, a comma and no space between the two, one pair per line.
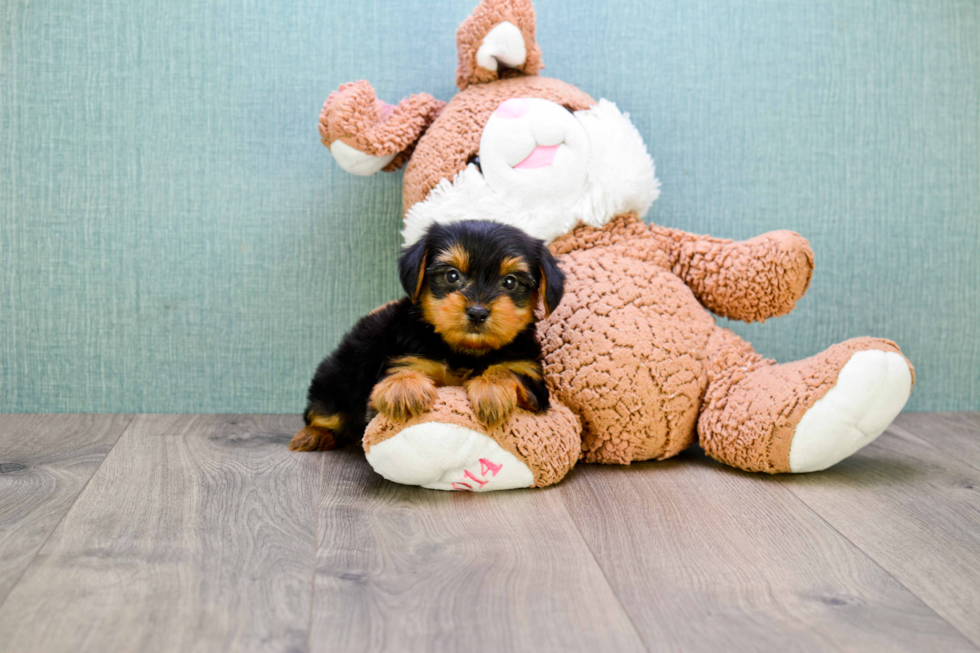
467,320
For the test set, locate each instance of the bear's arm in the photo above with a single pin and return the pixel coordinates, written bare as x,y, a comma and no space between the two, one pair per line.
750,280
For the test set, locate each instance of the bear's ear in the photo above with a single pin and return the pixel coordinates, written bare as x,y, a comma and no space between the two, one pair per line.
495,41
366,135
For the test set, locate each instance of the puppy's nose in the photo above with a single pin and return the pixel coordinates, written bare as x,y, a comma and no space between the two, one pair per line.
477,314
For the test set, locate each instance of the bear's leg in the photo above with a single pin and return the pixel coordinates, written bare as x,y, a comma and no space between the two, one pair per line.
803,416
447,448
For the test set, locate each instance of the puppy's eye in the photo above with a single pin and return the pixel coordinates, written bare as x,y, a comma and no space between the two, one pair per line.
452,277
509,282
475,160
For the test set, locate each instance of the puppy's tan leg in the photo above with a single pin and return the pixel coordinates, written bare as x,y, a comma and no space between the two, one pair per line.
318,435
403,394
498,391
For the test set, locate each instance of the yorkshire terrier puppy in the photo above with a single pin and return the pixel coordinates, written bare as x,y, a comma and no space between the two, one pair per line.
467,319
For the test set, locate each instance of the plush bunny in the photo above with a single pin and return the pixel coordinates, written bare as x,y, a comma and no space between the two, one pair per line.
637,367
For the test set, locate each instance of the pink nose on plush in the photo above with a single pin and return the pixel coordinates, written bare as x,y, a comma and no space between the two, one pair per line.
513,108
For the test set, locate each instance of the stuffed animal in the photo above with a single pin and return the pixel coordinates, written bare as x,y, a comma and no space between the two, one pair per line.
637,367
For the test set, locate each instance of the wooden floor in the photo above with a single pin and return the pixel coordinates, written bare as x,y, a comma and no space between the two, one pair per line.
203,533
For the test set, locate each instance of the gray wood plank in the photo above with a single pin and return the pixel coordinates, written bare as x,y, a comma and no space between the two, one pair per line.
707,558
957,434
196,534
915,511
45,461
407,569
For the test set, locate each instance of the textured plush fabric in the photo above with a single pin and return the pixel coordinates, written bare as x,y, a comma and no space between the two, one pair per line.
752,407
470,35
354,115
174,238
779,264
632,351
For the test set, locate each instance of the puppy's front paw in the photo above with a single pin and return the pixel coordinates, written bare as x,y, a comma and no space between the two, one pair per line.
403,395
493,398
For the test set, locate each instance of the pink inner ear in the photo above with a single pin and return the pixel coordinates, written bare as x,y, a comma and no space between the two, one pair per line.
513,108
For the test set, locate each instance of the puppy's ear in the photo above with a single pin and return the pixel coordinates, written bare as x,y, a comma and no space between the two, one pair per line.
552,285
411,268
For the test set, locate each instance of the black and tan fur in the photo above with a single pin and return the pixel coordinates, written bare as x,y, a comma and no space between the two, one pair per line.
467,320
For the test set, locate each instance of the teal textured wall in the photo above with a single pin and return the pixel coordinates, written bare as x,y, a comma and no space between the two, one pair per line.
174,238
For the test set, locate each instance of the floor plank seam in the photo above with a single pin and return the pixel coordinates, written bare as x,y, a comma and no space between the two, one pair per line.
122,432
906,433
316,549
619,601
877,564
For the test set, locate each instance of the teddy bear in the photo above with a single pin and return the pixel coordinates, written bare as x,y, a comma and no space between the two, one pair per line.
635,363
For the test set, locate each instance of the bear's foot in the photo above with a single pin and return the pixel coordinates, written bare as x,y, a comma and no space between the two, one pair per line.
870,392
449,449
803,416
448,457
